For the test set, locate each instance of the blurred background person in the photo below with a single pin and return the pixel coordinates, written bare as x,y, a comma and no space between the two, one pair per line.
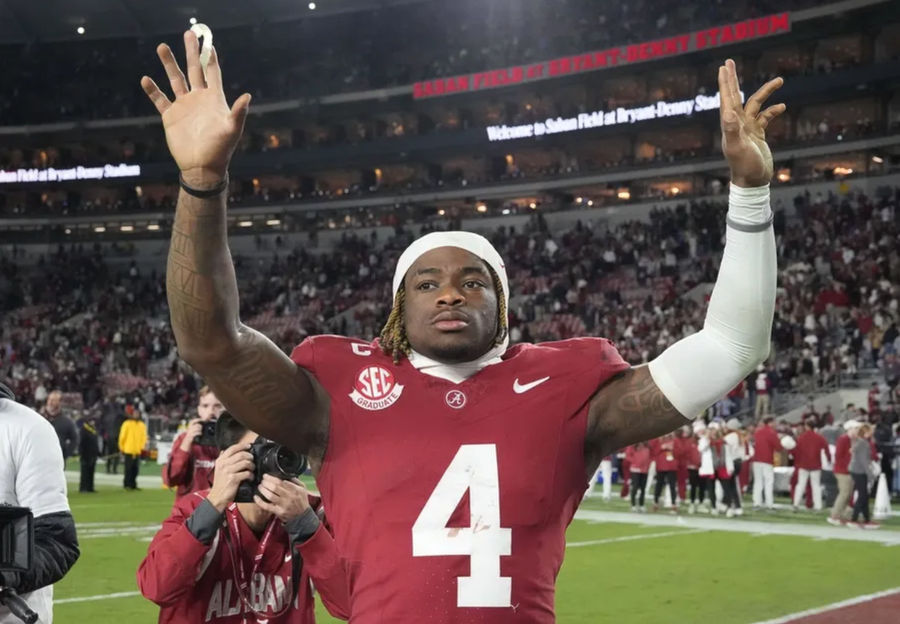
808,463
639,463
132,440
765,443
192,459
860,470
735,450
842,455
88,451
692,463
663,451
66,431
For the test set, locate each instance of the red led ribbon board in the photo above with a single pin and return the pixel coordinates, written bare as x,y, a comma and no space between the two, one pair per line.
714,37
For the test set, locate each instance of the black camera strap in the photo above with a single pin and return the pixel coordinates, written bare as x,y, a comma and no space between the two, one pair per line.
241,580
6,393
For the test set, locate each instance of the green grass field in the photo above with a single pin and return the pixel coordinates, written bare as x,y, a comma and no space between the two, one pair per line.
623,571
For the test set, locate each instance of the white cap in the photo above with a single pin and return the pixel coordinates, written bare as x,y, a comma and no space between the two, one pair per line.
475,244
852,424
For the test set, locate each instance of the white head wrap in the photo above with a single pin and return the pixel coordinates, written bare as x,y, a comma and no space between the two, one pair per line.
478,246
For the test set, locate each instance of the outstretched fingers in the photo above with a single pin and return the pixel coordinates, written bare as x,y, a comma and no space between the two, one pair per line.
734,86
213,71
159,99
769,114
756,101
192,51
176,76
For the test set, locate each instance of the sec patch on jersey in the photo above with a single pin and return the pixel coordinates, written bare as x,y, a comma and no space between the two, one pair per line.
375,388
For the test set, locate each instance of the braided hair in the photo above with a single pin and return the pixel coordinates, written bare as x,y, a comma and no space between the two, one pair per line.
394,341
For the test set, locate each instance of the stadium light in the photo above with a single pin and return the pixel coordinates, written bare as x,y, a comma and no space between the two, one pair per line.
273,222
481,208
532,205
153,227
877,159
68,231
80,30
99,229
312,6
674,190
578,200
506,211
193,21
245,223
127,228
590,202
442,212
624,194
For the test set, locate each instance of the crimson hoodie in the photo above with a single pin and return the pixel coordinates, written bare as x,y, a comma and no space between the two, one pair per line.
194,582
639,458
664,455
807,453
765,443
842,454
190,471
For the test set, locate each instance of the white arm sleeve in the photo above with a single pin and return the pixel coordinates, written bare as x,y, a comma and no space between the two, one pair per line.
698,370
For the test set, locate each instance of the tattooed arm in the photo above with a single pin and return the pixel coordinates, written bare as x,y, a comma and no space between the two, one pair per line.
630,408
258,383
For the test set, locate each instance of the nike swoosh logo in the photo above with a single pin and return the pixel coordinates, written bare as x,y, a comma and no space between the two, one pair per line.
287,557
520,388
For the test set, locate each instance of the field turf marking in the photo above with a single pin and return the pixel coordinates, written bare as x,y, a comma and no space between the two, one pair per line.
785,619
739,525
129,594
628,538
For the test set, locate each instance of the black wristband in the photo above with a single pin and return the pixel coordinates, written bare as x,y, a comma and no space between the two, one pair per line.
204,194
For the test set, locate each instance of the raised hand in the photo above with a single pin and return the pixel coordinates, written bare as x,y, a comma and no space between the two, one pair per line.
201,130
287,500
744,128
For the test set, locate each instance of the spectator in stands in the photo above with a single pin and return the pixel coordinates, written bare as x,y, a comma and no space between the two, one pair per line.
808,464
734,447
65,429
763,389
765,443
190,464
860,471
132,440
663,453
638,456
88,451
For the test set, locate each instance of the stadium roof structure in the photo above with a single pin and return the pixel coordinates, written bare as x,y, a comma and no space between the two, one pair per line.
23,21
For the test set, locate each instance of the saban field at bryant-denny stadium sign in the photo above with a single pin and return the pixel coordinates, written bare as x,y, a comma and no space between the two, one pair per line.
602,59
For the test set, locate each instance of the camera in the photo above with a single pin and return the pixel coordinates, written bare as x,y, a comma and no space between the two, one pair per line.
270,458
207,435
16,553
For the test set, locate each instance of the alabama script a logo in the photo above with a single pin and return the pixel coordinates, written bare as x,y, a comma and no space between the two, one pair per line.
375,388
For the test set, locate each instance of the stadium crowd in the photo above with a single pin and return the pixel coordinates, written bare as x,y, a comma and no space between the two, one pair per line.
89,324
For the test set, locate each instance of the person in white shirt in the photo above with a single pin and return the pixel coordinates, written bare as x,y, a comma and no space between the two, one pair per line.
31,475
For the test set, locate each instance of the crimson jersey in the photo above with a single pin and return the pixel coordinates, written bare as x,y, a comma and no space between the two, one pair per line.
449,502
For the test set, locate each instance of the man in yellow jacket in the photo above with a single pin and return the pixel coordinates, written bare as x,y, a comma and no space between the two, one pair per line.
132,440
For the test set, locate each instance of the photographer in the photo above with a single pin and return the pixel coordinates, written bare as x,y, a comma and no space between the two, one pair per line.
193,456
31,475
217,560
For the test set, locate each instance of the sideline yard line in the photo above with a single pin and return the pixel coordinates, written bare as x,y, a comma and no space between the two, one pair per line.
102,478
790,617
628,538
128,594
105,525
736,525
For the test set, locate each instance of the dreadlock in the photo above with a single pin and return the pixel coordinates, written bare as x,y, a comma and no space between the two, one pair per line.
393,337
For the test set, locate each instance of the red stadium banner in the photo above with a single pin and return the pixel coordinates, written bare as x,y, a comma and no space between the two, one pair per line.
714,37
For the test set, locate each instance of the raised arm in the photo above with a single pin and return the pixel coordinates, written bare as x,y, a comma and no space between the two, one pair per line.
648,401
258,383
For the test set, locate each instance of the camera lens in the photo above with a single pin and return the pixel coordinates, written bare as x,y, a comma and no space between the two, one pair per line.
289,463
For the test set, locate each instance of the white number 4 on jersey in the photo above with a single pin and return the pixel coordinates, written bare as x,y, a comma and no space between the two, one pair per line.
474,468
